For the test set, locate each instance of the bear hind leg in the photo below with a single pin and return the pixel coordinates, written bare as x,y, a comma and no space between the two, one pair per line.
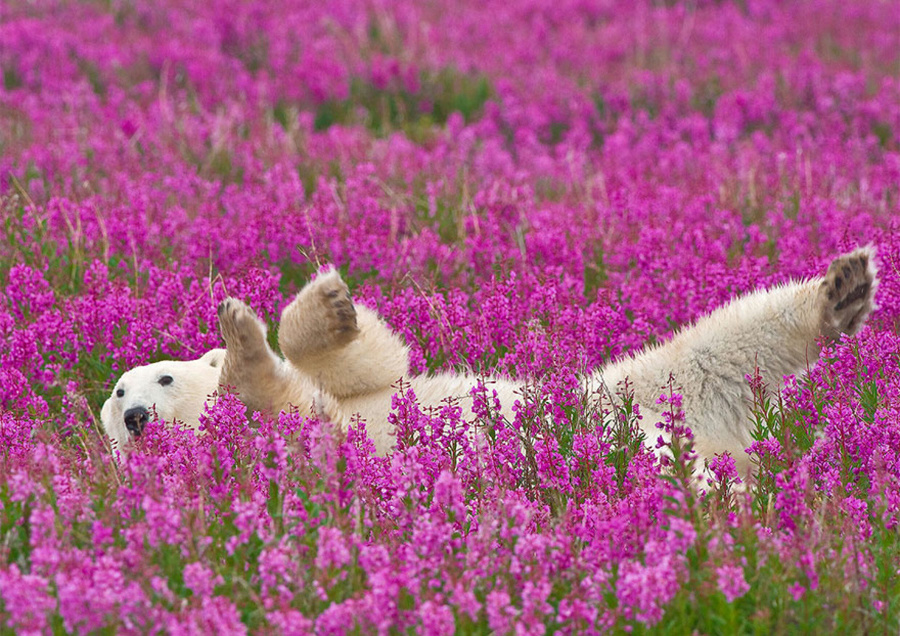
846,293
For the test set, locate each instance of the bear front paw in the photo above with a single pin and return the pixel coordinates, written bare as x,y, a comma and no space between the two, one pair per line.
847,292
338,309
321,318
243,331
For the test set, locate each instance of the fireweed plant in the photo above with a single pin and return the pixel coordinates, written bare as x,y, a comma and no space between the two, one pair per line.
530,188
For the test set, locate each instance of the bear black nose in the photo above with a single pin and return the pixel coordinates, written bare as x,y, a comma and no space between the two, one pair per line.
136,419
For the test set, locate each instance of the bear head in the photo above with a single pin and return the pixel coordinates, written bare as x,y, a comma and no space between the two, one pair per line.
174,390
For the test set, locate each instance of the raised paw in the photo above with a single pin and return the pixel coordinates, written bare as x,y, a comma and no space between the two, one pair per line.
321,318
847,292
251,368
334,298
243,331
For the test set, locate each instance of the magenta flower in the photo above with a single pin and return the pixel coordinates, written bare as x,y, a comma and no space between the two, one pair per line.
731,582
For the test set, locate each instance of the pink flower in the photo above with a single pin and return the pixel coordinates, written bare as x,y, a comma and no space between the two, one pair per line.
200,579
26,600
724,469
332,549
731,582
500,612
436,619
643,590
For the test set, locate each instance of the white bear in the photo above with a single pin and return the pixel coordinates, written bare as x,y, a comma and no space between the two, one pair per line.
343,361
174,390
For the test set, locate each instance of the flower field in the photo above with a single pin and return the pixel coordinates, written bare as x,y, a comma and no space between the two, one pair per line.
528,188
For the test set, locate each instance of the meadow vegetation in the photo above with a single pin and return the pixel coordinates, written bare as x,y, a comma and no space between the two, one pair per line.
529,187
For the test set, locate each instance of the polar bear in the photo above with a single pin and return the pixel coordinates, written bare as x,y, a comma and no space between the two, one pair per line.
342,361
175,390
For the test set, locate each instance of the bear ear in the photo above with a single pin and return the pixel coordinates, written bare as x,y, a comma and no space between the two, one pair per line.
106,415
214,358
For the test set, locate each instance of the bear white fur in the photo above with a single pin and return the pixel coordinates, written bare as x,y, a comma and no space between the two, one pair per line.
174,390
343,361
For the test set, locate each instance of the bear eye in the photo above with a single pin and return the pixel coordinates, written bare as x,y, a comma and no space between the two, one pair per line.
120,392
166,380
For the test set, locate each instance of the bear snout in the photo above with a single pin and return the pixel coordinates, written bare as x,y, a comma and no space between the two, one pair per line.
136,419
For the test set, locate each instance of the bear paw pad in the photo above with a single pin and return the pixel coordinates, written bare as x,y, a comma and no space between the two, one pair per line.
848,291
240,327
